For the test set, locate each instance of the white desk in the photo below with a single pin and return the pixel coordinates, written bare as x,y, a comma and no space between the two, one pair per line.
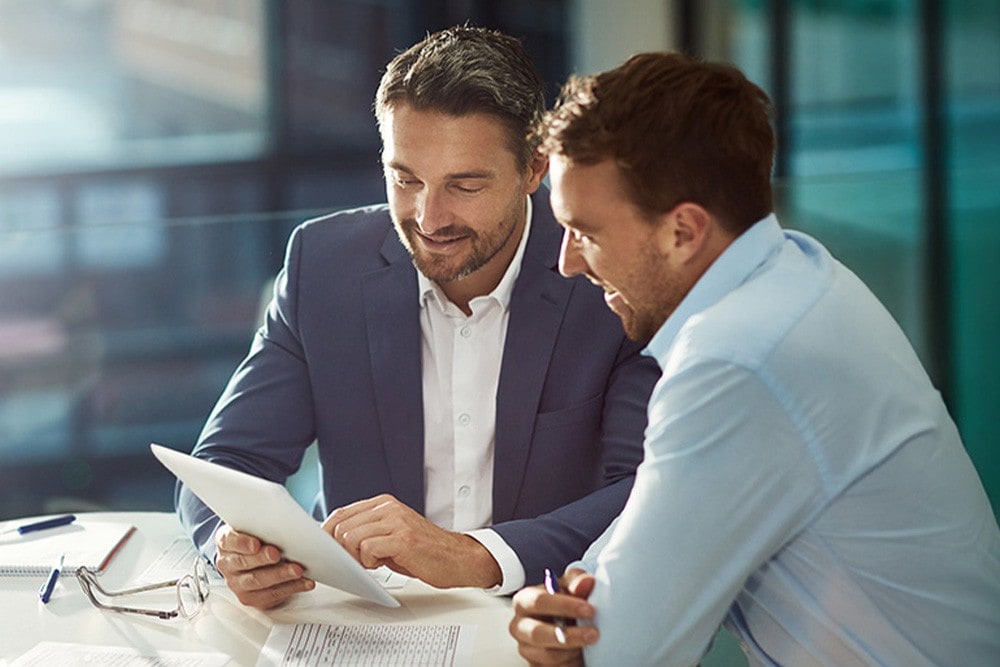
225,625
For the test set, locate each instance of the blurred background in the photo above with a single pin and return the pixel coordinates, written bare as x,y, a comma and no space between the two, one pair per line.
155,154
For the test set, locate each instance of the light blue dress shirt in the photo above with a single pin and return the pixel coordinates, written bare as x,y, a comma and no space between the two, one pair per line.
802,482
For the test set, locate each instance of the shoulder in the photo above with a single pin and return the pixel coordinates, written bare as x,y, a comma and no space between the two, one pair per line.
367,222
350,238
749,323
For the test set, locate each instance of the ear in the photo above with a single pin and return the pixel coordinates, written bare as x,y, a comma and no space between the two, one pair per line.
685,231
537,169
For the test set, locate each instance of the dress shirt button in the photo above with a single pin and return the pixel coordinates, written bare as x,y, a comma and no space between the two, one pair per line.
464,491
464,419
465,331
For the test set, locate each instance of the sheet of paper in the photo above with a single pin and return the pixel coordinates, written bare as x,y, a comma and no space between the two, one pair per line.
84,543
46,654
383,644
174,562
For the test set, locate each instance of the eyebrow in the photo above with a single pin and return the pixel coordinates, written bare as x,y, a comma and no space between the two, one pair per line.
457,176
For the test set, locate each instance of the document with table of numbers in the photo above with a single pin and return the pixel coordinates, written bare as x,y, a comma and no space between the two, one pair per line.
384,644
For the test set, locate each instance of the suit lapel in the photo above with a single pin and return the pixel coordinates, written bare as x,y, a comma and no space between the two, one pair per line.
537,306
392,316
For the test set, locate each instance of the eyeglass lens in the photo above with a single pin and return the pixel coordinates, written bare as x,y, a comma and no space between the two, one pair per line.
192,590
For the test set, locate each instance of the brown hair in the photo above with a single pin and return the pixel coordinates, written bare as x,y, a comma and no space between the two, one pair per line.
465,70
679,130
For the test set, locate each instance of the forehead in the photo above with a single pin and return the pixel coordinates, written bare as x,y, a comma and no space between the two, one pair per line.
584,193
431,141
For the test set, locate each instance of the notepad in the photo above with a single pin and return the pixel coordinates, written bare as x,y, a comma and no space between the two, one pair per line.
90,544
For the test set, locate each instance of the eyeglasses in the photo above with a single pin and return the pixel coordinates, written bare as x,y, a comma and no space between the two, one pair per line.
192,591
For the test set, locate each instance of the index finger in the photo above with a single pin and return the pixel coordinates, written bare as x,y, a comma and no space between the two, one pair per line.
536,601
347,511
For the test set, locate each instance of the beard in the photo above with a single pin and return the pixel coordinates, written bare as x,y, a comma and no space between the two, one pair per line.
639,326
653,298
481,246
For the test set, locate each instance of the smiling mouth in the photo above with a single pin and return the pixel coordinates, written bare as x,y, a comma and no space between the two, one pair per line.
614,300
438,244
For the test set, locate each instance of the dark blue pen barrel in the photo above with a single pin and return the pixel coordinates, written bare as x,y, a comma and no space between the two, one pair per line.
48,523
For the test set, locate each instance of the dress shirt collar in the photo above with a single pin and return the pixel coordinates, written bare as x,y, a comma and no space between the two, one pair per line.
730,270
428,289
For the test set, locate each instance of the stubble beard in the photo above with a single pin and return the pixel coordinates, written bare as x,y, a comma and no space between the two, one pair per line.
660,298
445,269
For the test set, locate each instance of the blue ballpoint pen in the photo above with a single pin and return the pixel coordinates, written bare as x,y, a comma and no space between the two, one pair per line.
54,522
45,592
552,586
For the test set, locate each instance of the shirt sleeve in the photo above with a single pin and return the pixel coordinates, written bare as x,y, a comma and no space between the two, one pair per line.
510,565
725,481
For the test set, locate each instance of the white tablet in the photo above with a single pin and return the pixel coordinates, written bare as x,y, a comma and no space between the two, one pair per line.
264,508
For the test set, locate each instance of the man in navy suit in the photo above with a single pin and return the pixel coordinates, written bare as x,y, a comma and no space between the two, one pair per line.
478,417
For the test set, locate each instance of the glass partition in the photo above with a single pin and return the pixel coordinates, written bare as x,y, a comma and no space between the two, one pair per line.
116,332
972,117
106,83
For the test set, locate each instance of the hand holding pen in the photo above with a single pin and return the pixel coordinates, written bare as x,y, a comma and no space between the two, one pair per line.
552,587
544,622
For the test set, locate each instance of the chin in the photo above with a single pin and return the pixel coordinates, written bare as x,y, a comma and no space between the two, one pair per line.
638,329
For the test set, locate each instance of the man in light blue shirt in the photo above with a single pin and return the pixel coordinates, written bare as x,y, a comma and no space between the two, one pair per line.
803,482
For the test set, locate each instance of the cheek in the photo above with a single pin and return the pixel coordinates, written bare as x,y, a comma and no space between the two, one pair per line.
596,261
400,203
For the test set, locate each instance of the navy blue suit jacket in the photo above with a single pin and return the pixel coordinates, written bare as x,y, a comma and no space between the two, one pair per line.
338,361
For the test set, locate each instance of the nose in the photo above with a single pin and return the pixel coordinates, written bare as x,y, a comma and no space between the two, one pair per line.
571,261
431,212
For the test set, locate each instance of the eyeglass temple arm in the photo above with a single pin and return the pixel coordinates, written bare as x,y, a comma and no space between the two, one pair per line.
165,615
128,591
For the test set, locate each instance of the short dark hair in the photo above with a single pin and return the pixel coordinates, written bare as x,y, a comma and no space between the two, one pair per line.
465,70
679,129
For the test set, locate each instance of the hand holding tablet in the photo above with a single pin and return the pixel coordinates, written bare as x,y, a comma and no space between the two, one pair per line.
265,509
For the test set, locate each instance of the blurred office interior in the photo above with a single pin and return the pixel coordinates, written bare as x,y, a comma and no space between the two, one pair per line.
155,154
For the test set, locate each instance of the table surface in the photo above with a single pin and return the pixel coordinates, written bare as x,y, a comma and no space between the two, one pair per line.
225,625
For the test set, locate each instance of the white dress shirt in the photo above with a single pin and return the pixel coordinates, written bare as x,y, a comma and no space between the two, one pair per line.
461,358
802,481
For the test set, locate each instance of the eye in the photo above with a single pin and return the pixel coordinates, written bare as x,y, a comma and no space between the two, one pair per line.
578,236
400,179
468,189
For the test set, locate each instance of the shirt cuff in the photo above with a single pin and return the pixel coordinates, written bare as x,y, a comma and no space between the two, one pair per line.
208,550
511,570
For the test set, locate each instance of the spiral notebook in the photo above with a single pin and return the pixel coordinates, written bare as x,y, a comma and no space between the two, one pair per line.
85,543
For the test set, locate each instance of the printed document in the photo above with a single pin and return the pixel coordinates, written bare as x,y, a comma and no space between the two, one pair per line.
382,644
58,653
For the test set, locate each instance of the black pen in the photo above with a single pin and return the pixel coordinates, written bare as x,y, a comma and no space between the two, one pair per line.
54,522
552,586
